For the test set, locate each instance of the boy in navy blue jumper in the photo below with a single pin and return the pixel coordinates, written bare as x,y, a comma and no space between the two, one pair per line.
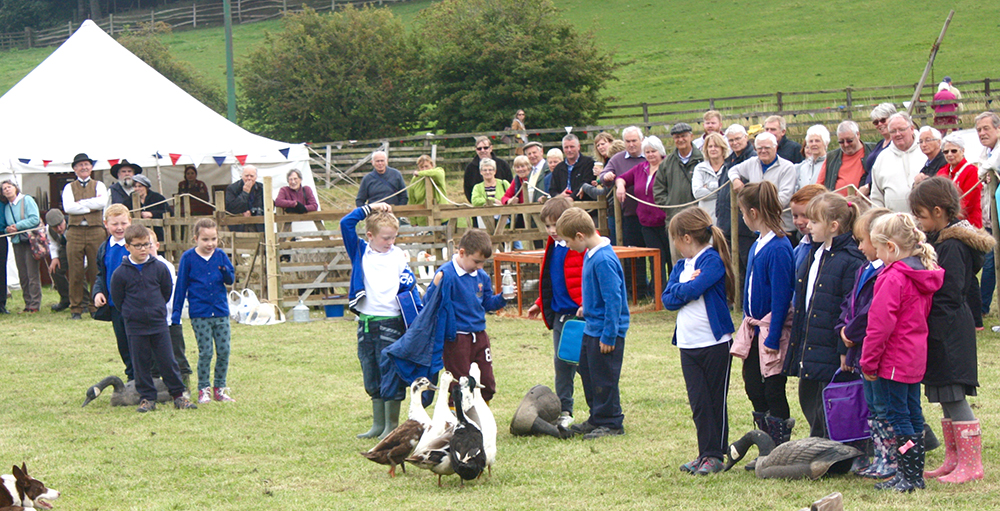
109,257
380,273
605,310
140,289
470,299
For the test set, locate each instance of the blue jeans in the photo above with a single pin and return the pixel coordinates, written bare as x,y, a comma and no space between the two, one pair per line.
988,282
373,337
875,397
903,407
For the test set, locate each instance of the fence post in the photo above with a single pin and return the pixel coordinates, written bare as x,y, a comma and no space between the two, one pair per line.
333,5
269,245
734,243
781,103
711,103
194,15
69,31
152,17
850,103
28,37
327,164
986,87
645,115
239,10
284,6
111,24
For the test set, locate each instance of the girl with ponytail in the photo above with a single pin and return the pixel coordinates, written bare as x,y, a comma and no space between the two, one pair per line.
700,288
822,280
762,339
895,347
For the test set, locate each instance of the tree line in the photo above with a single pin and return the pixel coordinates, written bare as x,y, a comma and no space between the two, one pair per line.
16,15
466,65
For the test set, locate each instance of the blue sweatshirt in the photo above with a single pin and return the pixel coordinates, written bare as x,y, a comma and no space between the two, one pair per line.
140,292
605,303
109,258
471,297
773,274
710,284
203,283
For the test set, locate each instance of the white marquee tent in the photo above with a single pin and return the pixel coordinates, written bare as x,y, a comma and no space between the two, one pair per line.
94,96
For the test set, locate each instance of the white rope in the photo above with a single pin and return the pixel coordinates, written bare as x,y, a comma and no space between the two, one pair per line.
436,188
383,199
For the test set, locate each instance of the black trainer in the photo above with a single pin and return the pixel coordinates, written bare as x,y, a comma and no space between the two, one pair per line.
603,431
582,428
76,315
59,307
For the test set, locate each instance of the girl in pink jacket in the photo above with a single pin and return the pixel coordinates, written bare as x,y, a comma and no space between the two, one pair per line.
895,347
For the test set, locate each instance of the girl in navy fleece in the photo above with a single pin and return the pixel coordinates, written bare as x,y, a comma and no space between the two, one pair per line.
700,288
204,272
823,279
762,339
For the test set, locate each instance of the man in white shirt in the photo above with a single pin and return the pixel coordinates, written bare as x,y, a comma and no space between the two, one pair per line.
768,166
897,166
83,200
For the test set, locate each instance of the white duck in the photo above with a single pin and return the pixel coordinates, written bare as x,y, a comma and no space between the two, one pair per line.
483,416
431,452
395,447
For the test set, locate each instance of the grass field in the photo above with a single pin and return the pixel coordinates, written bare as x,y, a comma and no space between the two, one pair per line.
681,49
289,440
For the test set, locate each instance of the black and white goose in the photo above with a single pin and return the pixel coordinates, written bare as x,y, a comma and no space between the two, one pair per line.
483,417
468,456
395,447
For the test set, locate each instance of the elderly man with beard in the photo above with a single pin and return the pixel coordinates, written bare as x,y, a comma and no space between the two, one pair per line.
897,166
121,191
845,165
84,200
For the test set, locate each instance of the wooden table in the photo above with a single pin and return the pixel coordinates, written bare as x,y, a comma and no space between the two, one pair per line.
537,256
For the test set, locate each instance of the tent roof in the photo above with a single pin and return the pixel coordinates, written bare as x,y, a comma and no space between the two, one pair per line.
92,95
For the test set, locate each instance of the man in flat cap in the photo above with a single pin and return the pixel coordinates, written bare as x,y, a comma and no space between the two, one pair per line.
84,200
672,185
56,222
121,191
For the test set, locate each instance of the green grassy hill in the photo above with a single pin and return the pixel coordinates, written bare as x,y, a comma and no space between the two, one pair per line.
689,49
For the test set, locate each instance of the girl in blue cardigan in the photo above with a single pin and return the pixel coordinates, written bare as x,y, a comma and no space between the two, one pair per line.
700,289
762,340
204,272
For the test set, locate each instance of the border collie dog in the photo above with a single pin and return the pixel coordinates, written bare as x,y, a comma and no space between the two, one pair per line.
20,491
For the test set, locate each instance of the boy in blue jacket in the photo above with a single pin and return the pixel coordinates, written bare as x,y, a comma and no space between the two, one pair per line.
380,276
109,256
605,310
468,289
140,289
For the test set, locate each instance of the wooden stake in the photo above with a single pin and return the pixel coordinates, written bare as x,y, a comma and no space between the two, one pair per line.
930,64
271,269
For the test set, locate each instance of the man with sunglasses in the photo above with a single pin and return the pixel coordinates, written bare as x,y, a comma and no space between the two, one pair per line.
845,164
484,149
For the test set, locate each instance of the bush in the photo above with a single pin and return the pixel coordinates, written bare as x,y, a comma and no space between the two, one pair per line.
145,44
353,74
488,58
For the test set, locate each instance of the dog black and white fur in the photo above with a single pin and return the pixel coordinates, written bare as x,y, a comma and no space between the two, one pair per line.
20,491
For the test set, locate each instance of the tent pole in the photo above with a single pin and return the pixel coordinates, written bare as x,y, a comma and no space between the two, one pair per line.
159,175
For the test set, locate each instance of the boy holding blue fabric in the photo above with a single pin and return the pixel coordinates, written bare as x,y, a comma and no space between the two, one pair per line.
380,276
605,310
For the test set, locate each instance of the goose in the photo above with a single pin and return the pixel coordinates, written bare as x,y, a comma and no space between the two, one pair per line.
809,457
468,457
395,447
483,416
431,453
125,394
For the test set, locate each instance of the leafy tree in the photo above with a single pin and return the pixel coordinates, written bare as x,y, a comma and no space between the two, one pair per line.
353,74
488,58
15,15
145,44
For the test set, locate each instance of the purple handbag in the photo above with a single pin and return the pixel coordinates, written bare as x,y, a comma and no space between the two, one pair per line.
846,410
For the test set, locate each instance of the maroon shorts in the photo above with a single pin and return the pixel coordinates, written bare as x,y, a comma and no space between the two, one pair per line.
463,351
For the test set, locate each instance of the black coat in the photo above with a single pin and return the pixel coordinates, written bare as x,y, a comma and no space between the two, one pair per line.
583,172
951,339
815,347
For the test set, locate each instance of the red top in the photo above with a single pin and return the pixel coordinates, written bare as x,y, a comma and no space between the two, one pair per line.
572,271
966,177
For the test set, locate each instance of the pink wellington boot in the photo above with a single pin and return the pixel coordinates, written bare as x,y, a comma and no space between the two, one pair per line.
950,452
969,440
